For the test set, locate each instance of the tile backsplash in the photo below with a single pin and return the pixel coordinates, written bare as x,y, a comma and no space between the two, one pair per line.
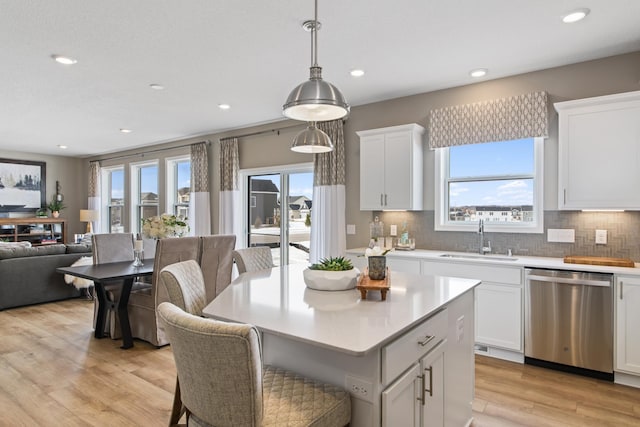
623,234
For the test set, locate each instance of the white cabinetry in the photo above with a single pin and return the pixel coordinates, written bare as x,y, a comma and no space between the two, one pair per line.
627,313
498,305
599,152
416,397
391,162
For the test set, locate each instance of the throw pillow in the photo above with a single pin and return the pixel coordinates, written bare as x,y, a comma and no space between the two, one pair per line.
79,282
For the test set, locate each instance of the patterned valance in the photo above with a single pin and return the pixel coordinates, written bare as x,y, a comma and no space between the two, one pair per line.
329,168
504,119
229,164
199,168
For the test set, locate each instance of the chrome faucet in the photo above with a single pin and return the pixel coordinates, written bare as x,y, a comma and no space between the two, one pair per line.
482,249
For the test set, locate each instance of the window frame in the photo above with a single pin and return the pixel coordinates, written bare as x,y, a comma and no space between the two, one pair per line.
136,202
106,205
172,182
441,200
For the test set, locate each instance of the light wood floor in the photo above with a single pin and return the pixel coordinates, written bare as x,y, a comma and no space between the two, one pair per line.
54,373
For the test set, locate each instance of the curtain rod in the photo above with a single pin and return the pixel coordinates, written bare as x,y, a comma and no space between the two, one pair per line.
124,156
261,132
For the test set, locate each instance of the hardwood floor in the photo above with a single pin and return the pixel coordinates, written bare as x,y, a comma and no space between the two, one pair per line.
54,373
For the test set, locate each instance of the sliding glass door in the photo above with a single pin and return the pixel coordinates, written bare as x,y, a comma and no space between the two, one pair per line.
279,213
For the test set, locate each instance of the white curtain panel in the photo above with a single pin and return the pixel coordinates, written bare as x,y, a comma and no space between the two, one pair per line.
93,202
230,216
199,199
328,227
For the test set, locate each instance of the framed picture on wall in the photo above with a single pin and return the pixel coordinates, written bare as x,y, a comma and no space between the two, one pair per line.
22,185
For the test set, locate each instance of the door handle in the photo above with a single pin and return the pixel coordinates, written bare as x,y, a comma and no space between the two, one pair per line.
621,288
427,339
381,204
430,390
385,199
422,390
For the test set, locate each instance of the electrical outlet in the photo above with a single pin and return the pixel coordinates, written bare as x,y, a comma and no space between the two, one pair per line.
351,229
460,328
393,230
359,388
601,237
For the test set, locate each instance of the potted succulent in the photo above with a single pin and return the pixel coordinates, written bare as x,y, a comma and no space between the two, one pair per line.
55,206
331,274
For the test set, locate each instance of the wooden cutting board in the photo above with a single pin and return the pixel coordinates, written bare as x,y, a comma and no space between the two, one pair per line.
596,260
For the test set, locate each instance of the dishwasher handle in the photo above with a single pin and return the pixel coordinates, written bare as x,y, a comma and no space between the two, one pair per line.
569,281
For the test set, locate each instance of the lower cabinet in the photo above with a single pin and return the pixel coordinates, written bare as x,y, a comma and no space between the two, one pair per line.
499,315
627,339
417,397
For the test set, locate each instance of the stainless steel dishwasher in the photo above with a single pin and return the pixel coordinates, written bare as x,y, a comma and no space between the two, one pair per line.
569,321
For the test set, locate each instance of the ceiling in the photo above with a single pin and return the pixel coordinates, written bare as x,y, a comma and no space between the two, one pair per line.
251,54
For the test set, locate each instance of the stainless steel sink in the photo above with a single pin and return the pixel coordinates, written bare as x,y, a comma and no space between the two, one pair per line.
485,257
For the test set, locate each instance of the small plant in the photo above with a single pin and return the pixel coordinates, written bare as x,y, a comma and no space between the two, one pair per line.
55,205
332,264
307,220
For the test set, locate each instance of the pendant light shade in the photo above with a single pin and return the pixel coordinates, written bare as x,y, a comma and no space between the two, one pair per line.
312,140
315,100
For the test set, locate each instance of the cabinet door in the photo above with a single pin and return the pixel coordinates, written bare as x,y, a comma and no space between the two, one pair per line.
499,315
432,366
372,172
404,264
627,321
400,405
599,153
398,171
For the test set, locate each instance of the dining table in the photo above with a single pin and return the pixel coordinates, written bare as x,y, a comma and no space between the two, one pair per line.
124,273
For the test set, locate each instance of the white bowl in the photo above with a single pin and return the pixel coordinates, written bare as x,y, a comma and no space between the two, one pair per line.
322,280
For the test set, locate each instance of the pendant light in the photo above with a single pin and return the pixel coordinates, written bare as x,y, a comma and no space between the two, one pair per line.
312,140
315,100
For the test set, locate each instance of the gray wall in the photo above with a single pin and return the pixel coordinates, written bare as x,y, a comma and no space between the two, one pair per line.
601,77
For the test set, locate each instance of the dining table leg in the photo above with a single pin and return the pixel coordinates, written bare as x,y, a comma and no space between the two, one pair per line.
123,314
102,309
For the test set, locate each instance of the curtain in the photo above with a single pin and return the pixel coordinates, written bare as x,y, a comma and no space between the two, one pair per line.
199,200
328,228
230,215
505,119
93,202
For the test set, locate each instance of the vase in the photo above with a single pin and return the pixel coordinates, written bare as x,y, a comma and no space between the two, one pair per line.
55,214
323,280
377,267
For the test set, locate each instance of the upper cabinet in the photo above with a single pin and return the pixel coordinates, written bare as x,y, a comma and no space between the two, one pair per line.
391,162
599,152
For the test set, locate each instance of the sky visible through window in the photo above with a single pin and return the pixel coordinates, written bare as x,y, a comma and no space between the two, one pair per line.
300,184
491,159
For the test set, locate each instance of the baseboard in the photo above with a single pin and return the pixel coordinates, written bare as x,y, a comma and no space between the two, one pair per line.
627,379
499,353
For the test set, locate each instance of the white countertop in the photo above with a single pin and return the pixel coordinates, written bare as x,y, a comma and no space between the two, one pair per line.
498,259
277,301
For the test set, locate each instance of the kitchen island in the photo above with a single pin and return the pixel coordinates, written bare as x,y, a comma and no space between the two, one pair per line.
388,354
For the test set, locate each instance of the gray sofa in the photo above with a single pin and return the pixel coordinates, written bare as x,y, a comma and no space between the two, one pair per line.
28,275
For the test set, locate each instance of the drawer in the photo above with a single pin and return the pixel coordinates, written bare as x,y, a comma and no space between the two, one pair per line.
486,273
408,348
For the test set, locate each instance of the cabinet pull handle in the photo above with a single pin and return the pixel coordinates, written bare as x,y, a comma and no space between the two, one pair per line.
385,199
430,390
381,204
422,390
621,287
427,339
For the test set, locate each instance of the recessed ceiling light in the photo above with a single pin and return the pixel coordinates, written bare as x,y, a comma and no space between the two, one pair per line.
156,86
126,130
478,72
575,15
62,147
224,106
65,60
357,73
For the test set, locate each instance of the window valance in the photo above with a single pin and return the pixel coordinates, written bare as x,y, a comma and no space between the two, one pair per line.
504,119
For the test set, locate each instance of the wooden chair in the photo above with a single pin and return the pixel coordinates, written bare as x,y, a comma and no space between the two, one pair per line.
253,259
224,382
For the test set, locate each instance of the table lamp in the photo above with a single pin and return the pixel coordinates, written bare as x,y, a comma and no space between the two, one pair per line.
88,216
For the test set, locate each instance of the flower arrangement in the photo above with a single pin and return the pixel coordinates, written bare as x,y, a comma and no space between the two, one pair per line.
165,225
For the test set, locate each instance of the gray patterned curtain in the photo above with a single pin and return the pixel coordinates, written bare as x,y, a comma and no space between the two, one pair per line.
93,202
199,200
328,223
230,221
505,119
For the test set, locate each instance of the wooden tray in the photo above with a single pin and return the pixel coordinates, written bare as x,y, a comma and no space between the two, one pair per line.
365,284
595,260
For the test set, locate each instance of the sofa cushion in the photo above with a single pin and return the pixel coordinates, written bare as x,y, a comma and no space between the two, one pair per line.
23,244
6,253
78,248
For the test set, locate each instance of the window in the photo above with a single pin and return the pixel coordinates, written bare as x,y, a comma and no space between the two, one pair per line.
144,186
179,185
499,182
113,204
